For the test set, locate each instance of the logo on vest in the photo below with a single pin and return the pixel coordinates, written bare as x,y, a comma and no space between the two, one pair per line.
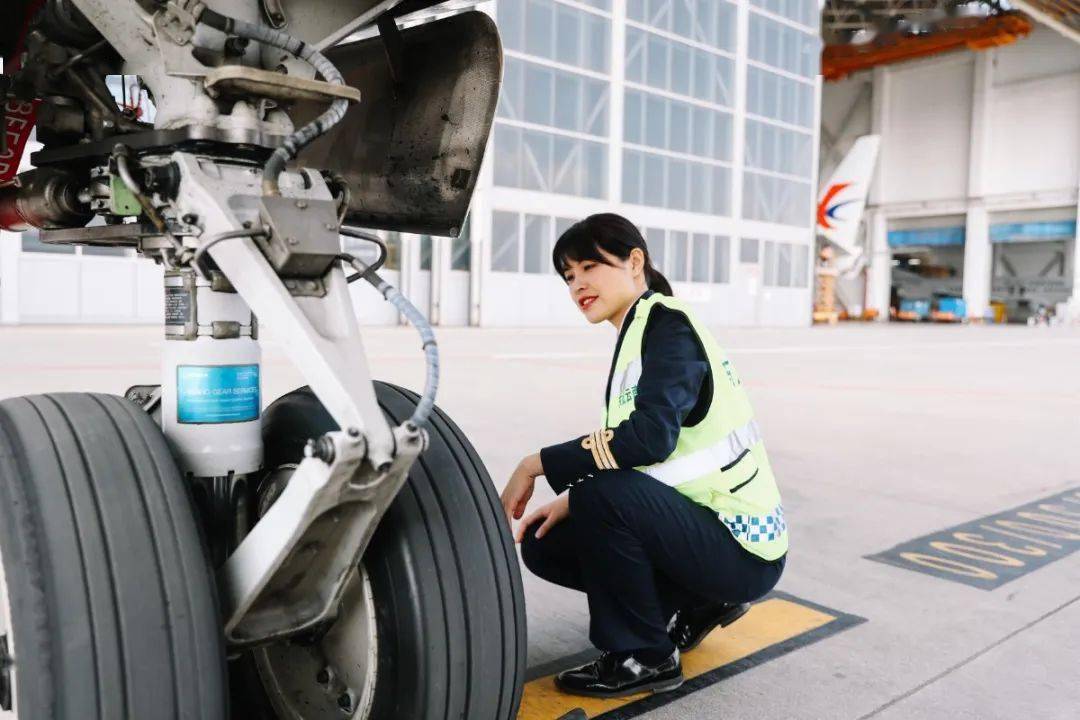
627,395
731,376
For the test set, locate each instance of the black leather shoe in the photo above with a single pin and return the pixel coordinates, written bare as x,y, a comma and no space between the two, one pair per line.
690,627
616,675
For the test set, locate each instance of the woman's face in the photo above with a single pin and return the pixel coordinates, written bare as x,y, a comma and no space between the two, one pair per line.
604,292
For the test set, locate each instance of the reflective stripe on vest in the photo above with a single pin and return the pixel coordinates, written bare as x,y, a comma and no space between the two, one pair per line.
707,461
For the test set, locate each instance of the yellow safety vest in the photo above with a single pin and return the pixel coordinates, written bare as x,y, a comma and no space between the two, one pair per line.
720,462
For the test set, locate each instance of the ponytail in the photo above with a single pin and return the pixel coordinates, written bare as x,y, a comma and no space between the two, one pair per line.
655,280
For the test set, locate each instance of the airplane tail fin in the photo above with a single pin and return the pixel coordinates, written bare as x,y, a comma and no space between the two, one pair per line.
843,198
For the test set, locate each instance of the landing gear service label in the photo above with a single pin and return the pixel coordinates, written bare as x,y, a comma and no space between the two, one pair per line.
217,393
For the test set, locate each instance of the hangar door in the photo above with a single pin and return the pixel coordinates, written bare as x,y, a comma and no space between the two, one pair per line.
1033,265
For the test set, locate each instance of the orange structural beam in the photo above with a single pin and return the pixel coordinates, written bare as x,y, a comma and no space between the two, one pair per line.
839,61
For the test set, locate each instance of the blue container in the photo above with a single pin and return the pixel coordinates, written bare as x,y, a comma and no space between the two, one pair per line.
953,305
917,307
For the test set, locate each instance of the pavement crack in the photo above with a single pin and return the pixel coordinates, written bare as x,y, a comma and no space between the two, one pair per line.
974,656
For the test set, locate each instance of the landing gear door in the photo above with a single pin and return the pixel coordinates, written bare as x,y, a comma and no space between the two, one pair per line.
411,149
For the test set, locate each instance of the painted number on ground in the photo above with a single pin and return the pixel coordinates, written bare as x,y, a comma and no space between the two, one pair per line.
991,551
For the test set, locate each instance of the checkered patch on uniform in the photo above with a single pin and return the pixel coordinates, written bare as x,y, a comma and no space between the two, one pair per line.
757,528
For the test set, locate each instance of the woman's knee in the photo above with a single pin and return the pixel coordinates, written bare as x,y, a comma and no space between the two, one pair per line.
531,551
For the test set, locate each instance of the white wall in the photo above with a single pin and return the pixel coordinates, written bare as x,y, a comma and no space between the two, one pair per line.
924,153
1035,98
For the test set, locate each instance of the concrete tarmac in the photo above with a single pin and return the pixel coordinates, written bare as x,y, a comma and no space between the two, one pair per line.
878,434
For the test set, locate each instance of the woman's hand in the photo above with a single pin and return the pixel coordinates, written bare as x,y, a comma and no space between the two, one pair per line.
520,488
553,513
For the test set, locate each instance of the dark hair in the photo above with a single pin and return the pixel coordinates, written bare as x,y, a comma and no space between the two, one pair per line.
613,233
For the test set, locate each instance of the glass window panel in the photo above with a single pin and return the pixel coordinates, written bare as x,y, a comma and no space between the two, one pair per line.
748,250
681,19
562,225
721,258
700,258
655,121
653,179
635,55
631,177
597,44
393,251
680,127
770,265
723,78
536,170
678,241
510,93
505,245
699,188
722,140
659,14
537,243
705,21
632,131
461,252
678,189
596,170
596,107
656,70
511,23
701,122
802,257
539,90
725,26
680,67
783,264
425,252
507,156
568,102
539,27
567,168
721,191
567,35
703,72
635,10
654,240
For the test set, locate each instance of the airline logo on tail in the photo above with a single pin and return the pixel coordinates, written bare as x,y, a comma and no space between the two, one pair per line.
843,198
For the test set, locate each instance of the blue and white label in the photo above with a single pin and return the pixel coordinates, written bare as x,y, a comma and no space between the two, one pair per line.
217,393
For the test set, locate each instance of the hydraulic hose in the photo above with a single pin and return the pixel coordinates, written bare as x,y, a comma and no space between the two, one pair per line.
427,335
297,141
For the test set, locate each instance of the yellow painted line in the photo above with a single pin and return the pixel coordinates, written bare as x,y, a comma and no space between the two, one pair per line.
768,623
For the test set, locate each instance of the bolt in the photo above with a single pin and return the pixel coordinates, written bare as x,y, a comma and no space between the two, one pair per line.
330,226
310,285
292,241
189,218
344,701
354,432
301,204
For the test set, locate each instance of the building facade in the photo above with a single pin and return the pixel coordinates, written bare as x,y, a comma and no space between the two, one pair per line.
697,119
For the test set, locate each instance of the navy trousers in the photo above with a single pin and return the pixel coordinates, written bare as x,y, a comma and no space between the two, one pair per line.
642,551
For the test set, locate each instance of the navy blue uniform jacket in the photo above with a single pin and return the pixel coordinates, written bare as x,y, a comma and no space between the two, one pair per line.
675,390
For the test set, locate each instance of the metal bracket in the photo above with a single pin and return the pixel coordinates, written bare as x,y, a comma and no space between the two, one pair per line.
177,20
289,573
303,239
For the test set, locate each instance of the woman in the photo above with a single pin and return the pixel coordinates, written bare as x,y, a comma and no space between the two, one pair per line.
668,517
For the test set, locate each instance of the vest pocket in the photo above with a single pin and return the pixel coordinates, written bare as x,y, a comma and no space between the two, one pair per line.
740,472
